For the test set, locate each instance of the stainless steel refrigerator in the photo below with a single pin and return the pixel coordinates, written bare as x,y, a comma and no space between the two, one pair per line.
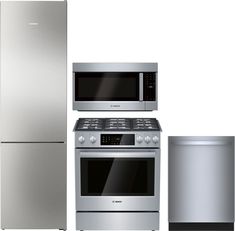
201,183
33,114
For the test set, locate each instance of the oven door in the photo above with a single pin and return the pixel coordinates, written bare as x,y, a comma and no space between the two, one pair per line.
117,180
108,91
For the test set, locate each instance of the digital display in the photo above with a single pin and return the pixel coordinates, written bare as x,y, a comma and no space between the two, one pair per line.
117,139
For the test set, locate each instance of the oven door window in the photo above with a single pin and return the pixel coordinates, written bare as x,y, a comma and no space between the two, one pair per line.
111,86
117,176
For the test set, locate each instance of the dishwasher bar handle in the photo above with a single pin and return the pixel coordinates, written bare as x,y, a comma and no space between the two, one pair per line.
203,142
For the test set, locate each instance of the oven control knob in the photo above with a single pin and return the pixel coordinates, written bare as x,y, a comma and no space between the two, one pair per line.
147,139
139,139
155,139
81,139
92,139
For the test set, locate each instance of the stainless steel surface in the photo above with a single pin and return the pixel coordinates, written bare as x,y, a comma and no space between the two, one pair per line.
33,179
117,221
82,139
146,132
116,211
0,77
203,142
128,203
116,105
201,179
33,114
115,67
33,71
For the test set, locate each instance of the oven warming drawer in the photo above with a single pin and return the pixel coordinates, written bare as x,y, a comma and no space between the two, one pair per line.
117,221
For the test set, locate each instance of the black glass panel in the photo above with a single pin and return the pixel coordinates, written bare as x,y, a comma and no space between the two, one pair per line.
201,226
117,139
110,86
117,176
149,86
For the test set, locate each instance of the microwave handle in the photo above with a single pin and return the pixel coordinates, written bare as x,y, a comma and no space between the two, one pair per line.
141,86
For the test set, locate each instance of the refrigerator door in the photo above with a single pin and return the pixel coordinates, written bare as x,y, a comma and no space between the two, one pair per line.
201,179
33,178
33,71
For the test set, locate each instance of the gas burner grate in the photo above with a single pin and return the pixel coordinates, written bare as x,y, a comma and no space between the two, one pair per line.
145,124
90,124
117,124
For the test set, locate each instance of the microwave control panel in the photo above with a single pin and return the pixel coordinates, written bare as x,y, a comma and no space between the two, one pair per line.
149,86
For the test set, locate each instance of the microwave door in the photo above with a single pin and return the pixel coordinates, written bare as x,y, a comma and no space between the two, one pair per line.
108,91
106,86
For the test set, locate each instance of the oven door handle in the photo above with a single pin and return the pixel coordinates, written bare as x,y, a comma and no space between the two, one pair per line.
116,154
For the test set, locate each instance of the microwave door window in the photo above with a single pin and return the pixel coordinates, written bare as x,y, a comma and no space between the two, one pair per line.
106,86
117,176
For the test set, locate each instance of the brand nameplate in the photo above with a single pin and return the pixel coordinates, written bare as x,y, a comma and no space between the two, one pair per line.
115,105
116,201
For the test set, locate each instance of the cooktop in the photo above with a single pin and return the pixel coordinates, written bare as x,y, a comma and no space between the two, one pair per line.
117,124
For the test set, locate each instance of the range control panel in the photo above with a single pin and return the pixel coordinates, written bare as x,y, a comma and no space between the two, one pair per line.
114,139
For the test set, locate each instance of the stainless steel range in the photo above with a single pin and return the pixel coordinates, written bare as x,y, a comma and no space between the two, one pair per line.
117,173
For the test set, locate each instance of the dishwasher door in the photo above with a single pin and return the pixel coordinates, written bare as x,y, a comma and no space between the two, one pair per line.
201,179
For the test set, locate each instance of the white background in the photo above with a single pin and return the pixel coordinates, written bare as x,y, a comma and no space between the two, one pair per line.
193,42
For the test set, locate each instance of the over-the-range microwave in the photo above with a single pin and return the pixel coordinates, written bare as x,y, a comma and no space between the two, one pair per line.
115,86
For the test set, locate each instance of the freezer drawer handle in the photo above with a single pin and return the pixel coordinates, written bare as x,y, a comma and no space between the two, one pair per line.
202,142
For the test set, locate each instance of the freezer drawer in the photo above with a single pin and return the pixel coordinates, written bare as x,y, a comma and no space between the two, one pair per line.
201,179
33,71
33,186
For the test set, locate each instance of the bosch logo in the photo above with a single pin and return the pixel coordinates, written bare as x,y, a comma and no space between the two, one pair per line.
115,105
116,201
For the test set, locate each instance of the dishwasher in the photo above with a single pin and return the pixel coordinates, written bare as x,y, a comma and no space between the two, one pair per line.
201,183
